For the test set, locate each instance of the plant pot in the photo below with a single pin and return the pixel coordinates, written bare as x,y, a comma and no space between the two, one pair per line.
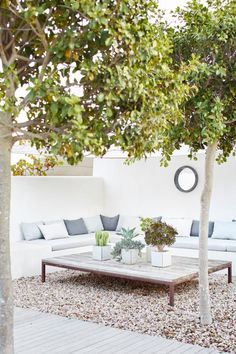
101,253
129,256
161,259
148,254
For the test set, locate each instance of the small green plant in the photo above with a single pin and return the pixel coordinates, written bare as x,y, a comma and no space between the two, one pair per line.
159,234
127,242
101,238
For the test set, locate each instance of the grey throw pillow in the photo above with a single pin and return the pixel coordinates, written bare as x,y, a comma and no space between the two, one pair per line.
76,227
31,231
195,228
110,223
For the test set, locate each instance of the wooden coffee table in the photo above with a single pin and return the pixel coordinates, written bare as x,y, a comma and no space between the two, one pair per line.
183,269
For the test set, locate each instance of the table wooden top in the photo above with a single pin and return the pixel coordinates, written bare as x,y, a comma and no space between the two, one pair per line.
182,269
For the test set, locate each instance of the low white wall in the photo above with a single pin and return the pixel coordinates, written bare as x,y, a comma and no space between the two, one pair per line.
145,188
53,198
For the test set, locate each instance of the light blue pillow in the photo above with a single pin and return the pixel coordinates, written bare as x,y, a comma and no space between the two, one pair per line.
225,230
94,223
31,231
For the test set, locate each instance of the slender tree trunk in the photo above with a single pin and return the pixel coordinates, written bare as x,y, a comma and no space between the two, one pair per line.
6,300
205,309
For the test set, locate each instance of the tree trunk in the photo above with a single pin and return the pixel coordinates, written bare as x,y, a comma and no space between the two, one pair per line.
205,309
6,299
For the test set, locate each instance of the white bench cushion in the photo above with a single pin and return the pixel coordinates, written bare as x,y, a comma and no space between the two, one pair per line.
73,241
231,246
193,243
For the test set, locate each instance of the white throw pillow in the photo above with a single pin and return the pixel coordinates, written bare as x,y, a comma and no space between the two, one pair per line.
183,226
54,231
93,223
225,230
129,222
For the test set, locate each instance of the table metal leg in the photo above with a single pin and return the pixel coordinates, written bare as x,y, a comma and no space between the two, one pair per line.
43,274
171,294
230,274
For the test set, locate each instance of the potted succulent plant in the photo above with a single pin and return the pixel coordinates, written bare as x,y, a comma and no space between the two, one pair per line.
158,235
102,251
127,250
144,225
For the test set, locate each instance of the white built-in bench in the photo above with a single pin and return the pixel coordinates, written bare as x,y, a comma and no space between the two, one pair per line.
27,254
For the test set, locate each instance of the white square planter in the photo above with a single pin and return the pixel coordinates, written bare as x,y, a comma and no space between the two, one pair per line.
129,256
148,254
161,259
101,253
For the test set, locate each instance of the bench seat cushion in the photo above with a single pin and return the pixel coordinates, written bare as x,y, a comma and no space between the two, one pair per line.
193,243
231,246
73,242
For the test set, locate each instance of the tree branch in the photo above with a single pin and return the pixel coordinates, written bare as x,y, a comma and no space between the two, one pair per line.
233,121
26,135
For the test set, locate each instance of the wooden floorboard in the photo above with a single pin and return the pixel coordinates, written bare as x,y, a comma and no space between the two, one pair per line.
41,333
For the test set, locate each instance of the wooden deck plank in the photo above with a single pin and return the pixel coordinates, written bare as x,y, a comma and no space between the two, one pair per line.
43,333
100,341
140,344
49,341
95,340
148,347
107,344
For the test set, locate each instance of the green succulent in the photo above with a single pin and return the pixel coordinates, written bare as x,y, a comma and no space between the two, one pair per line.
127,242
101,238
128,234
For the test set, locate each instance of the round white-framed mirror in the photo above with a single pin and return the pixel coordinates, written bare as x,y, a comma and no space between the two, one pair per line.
186,179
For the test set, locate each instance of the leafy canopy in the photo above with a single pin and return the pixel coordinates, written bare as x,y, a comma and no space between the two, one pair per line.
35,166
97,74
209,33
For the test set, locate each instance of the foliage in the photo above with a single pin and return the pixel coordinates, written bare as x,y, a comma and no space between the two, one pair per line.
127,242
102,238
207,31
159,234
128,234
145,223
35,166
97,74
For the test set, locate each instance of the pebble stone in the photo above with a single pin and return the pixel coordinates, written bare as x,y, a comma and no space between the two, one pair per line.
135,306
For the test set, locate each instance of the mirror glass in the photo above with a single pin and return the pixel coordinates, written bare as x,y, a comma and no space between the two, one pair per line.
186,179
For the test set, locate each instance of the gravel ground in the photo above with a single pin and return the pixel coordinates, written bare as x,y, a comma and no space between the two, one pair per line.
135,306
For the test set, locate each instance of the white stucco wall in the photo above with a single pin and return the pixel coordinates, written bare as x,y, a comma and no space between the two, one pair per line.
53,198
145,188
